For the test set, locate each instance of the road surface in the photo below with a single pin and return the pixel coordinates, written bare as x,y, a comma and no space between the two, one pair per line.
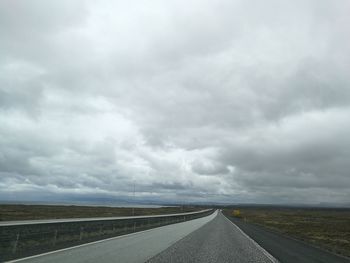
213,238
137,247
218,241
210,239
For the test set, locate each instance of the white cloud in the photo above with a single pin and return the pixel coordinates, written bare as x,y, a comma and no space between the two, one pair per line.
225,101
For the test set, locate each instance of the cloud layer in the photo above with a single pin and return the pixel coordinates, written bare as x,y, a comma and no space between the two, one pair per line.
225,101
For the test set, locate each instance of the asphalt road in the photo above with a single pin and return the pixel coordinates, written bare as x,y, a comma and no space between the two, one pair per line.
285,249
137,247
210,239
218,241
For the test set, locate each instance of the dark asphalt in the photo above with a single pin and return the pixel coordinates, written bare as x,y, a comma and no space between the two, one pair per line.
285,249
218,241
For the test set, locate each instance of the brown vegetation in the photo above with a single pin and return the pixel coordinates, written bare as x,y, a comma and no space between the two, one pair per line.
326,228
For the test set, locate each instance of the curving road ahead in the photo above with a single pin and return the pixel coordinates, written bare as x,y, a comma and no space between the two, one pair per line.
209,239
213,238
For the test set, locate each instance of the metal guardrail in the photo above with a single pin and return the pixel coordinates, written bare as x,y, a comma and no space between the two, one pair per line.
68,220
21,240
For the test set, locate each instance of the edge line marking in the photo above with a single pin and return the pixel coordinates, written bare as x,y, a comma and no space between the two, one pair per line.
267,254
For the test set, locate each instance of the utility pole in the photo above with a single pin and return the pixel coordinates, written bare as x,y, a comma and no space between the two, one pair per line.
133,208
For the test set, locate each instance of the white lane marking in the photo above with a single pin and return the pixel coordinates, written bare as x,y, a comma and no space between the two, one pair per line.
82,245
267,254
99,241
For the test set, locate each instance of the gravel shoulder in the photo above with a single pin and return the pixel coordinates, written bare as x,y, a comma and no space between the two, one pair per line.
217,241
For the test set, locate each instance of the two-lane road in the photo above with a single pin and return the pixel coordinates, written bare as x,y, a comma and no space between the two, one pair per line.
213,238
209,239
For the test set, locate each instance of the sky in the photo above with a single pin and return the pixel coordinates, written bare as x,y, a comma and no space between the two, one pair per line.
191,101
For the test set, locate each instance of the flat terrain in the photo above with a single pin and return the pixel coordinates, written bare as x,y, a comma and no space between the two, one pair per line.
326,228
137,247
287,250
218,241
214,238
35,212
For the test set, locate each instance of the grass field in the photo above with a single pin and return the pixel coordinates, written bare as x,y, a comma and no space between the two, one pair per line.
324,227
27,212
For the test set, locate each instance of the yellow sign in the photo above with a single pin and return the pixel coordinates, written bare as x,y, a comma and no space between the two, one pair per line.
236,213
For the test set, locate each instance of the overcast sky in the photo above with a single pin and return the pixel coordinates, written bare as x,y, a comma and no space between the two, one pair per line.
193,100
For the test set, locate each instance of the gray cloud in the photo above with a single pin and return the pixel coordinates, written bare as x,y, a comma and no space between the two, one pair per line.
227,101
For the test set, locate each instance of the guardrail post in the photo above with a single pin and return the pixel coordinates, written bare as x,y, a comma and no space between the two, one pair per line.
15,244
54,238
81,233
